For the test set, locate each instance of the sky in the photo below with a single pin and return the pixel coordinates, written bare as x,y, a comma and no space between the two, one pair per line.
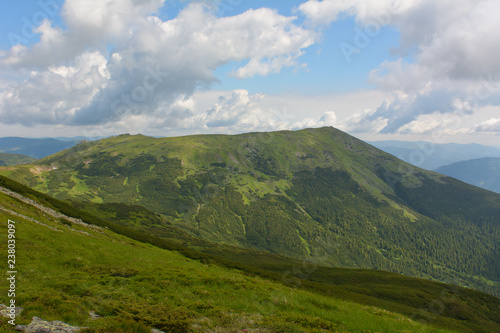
380,69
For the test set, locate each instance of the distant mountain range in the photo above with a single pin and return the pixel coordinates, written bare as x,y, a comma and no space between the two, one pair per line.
36,148
431,156
481,172
316,194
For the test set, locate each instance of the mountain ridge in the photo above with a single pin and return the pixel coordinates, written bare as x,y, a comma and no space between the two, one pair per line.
315,194
483,172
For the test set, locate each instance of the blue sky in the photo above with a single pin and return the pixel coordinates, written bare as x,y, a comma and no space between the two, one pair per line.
381,69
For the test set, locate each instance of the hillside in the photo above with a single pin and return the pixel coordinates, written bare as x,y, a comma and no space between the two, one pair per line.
315,194
482,172
7,159
74,270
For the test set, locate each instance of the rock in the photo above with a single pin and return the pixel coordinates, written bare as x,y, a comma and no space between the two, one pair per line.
38,325
154,330
94,315
6,312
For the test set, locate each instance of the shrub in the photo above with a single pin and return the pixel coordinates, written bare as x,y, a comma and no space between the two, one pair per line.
66,222
281,327
117,325
160,316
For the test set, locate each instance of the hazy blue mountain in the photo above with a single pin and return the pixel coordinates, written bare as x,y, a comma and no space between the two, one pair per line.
76,138
36,148
481,172
431,156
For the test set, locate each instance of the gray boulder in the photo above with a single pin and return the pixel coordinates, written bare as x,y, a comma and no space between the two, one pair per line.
38,325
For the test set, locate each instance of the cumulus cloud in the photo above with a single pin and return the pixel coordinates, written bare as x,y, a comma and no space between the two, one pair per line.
454,67
76,80
54,95
329,118
234,113
363,122
90,24
491,125
118,62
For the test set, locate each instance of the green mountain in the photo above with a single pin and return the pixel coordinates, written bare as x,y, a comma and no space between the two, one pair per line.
78,268
481,172
7,159
315,194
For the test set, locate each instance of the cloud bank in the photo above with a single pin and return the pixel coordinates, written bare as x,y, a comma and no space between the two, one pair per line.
117,59
118,63
447,64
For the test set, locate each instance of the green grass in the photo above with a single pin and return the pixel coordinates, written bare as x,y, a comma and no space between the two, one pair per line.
463,310
63,275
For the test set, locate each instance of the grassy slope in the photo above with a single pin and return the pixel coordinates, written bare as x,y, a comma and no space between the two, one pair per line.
107,273
314,194
64,274
413,297
7,159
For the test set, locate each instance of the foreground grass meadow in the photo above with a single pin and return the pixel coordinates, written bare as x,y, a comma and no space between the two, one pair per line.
65,273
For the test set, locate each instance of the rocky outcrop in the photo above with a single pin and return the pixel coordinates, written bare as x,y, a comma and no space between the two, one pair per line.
8,312
38,325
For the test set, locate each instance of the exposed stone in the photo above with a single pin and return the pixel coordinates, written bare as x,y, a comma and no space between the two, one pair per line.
7,312
38,325
93,315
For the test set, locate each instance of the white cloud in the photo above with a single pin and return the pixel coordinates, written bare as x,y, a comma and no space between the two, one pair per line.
237,113
363,122
234,112
429,123
491,125
454,47
52,96
327,11
152,63
264,66
116,62
329,118
91,25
